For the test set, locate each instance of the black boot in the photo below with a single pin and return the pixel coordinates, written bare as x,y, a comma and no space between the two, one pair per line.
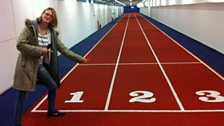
55,114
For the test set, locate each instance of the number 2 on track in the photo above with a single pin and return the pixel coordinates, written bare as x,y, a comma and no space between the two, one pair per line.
210,96
142,96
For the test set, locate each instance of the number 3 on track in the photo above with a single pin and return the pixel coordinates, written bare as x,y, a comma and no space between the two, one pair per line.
142,96
210,96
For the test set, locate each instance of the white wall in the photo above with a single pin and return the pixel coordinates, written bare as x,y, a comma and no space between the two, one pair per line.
145,11
77,21
7,44
203,22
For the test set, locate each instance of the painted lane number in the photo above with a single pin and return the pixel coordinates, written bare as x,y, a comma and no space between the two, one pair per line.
76,97
210,96
142,96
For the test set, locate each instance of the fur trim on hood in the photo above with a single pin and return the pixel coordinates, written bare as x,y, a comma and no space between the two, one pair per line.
29,22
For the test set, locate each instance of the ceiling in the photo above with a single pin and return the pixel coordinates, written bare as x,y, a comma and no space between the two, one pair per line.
127,2
118,2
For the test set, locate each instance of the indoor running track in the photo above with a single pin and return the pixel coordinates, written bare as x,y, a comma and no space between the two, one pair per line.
136,75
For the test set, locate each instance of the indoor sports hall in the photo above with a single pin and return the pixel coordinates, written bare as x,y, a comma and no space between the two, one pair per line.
149,63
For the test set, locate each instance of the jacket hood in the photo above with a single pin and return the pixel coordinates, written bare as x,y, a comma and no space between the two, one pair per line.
34,23
29,22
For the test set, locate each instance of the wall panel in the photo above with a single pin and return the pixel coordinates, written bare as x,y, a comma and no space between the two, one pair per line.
7,65
7,28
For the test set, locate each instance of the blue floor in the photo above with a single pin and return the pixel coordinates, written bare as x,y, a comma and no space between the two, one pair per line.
208,55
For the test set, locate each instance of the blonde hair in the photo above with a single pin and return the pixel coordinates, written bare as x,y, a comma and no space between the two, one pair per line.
54,22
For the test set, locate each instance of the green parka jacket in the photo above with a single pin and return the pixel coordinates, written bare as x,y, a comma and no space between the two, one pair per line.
25,76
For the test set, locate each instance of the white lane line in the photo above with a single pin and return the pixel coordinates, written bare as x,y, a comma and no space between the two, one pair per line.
142,111
116,67
112,64
163,71
211,69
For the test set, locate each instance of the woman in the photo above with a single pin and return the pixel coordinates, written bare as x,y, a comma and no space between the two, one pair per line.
38,44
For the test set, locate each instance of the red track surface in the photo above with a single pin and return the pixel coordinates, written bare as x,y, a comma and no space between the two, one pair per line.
137,75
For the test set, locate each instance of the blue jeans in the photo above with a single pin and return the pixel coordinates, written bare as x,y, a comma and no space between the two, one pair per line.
46,79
